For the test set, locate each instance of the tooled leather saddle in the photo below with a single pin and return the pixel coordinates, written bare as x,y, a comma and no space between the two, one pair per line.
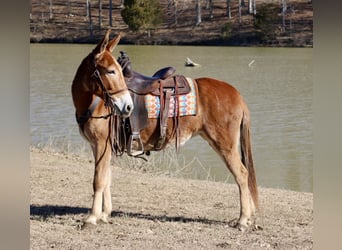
163,84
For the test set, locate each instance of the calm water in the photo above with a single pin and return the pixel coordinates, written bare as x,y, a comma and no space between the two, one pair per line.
276,83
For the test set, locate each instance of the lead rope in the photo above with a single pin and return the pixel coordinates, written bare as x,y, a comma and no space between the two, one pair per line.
117,134
116,124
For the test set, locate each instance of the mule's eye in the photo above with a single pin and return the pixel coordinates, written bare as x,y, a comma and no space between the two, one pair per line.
111,72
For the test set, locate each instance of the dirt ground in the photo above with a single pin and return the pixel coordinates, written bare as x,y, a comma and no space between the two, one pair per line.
156,212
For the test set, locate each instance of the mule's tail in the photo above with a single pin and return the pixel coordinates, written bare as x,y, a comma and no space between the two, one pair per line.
247,158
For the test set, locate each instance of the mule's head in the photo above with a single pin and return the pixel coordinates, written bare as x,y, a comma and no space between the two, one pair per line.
110,82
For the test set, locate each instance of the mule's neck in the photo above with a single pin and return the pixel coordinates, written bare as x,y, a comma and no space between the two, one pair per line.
81,88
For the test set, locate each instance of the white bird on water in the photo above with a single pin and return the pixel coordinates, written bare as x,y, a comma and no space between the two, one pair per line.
250,64
189,63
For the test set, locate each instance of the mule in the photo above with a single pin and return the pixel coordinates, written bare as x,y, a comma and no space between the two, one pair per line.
223,119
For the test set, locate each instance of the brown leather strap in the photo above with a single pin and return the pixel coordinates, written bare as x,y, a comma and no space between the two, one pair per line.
165,114
163,117
177,117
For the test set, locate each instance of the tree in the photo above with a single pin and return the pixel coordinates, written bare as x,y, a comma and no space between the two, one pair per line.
209,5
229,13
252,7
176,12
239,11
198,12
90,20
110,13
100,13
266,21
172,10
50,9
283,12
140,14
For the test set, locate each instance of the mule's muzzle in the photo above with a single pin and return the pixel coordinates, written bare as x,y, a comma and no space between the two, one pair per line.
127,110
124,105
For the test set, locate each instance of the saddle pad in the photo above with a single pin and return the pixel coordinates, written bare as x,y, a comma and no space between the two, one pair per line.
187,104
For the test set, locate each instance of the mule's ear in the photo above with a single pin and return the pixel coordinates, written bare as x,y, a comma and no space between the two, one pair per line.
102,44
114,42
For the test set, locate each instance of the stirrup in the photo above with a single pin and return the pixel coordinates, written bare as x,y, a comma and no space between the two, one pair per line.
135,146
160,142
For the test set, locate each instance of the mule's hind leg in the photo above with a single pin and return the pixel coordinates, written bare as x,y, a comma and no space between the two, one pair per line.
240,173
102,204
226,145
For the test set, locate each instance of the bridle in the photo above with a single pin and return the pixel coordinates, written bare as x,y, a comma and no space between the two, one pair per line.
116,124
107,95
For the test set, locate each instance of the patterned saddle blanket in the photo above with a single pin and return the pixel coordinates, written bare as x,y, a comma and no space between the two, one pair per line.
186,105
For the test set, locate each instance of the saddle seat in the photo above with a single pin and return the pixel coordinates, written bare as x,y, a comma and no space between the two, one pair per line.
142,85
161,80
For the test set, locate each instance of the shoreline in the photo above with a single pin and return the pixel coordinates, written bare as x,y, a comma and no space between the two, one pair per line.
156,212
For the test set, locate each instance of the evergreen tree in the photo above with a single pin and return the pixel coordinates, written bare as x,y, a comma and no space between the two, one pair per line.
141,14
267,21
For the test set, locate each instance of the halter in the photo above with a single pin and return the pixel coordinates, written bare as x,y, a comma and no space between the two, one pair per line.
107,94
116,123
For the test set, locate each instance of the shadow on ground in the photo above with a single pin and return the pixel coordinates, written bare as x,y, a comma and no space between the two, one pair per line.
45,211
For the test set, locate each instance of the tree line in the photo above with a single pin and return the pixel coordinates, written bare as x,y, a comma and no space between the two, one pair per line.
144,15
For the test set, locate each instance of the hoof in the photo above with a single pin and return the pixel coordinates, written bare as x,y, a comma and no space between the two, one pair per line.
87,226
91,220
104,219
257,227
248,225
243,224
242,228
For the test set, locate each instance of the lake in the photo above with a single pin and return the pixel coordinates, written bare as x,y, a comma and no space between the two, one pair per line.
277,84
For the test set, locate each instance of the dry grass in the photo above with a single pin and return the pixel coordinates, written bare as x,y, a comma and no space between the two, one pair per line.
164,163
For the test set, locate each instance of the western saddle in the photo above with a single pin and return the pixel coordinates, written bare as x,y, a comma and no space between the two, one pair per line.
163,84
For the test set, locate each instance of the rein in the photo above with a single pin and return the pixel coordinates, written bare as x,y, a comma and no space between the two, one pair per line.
116,125
116,135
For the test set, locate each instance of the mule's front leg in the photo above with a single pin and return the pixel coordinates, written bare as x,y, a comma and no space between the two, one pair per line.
102,204
107,198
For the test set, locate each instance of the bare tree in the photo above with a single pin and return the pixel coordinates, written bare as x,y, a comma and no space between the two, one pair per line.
50,9
176,11
198,12
283,12
69,8
239,11
229,13
209,5
172,10
100,13
252,7
110,13
90,20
